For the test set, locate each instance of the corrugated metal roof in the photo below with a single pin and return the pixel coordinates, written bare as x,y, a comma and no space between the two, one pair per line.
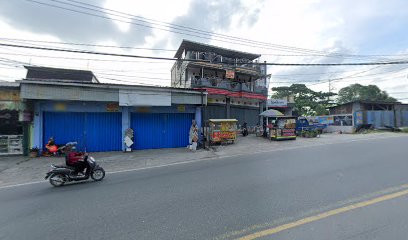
114,86
107,92
10,84
196,46
50,74
365,102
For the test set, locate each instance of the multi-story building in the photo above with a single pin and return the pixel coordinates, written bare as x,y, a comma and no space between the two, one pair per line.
236,82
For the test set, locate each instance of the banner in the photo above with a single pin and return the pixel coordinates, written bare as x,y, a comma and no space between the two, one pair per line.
276,103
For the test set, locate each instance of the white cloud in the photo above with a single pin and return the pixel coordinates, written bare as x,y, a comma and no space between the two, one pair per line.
352,27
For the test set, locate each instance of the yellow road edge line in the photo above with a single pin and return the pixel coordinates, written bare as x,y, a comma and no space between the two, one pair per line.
323,215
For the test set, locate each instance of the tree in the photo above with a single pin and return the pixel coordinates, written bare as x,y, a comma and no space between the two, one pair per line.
358,92
307,101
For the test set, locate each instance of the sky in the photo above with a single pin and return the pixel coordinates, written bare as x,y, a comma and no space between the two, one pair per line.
296,31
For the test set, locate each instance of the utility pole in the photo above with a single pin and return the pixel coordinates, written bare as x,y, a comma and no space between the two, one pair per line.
328,97
331,88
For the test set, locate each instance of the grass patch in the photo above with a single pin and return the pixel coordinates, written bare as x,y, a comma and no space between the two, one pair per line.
404,130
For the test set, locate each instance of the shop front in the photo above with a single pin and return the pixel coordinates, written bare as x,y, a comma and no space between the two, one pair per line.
11,128
98,118
94,126
161,127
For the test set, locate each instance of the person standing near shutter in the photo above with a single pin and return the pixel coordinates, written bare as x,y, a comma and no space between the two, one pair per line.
191,132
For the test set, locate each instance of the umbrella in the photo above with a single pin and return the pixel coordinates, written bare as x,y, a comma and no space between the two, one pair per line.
271,113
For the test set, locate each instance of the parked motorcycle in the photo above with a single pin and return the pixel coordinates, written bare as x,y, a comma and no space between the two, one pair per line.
55,151
244,130
59,175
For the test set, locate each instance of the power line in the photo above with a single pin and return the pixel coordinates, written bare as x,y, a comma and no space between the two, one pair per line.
165,24
304,74
97,53
320,81
348,55
196,60
88,45
174,50
109,78
127,81
120,75
349,76
213,35
81,59
204,34
97,72
195,30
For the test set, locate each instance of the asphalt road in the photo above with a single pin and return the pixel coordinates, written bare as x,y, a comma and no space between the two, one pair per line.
226,198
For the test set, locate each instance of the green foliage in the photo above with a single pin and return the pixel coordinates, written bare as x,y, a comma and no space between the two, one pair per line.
307,101
358,92
310,133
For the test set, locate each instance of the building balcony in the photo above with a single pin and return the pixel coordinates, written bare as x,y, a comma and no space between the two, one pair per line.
228,85
250,69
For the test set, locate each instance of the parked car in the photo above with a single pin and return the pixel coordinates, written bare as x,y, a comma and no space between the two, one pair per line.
303,124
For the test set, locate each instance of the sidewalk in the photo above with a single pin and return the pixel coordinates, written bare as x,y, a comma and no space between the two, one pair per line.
20,169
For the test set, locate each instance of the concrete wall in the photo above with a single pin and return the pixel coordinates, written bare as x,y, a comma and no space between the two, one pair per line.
343,129
9,94
32,91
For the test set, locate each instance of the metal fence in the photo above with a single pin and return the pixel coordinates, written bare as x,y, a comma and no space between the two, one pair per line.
381,119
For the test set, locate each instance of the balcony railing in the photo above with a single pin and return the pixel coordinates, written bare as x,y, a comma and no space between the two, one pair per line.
228,85
227,62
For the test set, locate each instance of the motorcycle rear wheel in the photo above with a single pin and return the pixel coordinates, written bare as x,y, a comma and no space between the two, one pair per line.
98,174
57,179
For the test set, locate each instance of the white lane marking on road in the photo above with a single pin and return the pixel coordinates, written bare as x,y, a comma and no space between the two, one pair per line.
243,154
21,184
217,158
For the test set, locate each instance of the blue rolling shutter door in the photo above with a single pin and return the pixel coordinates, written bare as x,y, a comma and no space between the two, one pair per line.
177,129
64,127
147,130
94,132
103,132
161,130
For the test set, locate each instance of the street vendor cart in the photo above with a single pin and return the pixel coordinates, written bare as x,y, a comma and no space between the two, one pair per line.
283,128
222,130
280,127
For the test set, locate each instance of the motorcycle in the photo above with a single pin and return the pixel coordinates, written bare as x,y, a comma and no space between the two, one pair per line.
54,151
59,175
244,130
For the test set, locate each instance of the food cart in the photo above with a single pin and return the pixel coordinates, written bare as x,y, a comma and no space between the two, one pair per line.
280,127
222,130
283,128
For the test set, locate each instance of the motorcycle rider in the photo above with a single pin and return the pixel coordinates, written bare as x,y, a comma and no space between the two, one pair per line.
74,159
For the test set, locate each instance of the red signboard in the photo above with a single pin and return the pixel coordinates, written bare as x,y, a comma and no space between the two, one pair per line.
288,132
228,135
